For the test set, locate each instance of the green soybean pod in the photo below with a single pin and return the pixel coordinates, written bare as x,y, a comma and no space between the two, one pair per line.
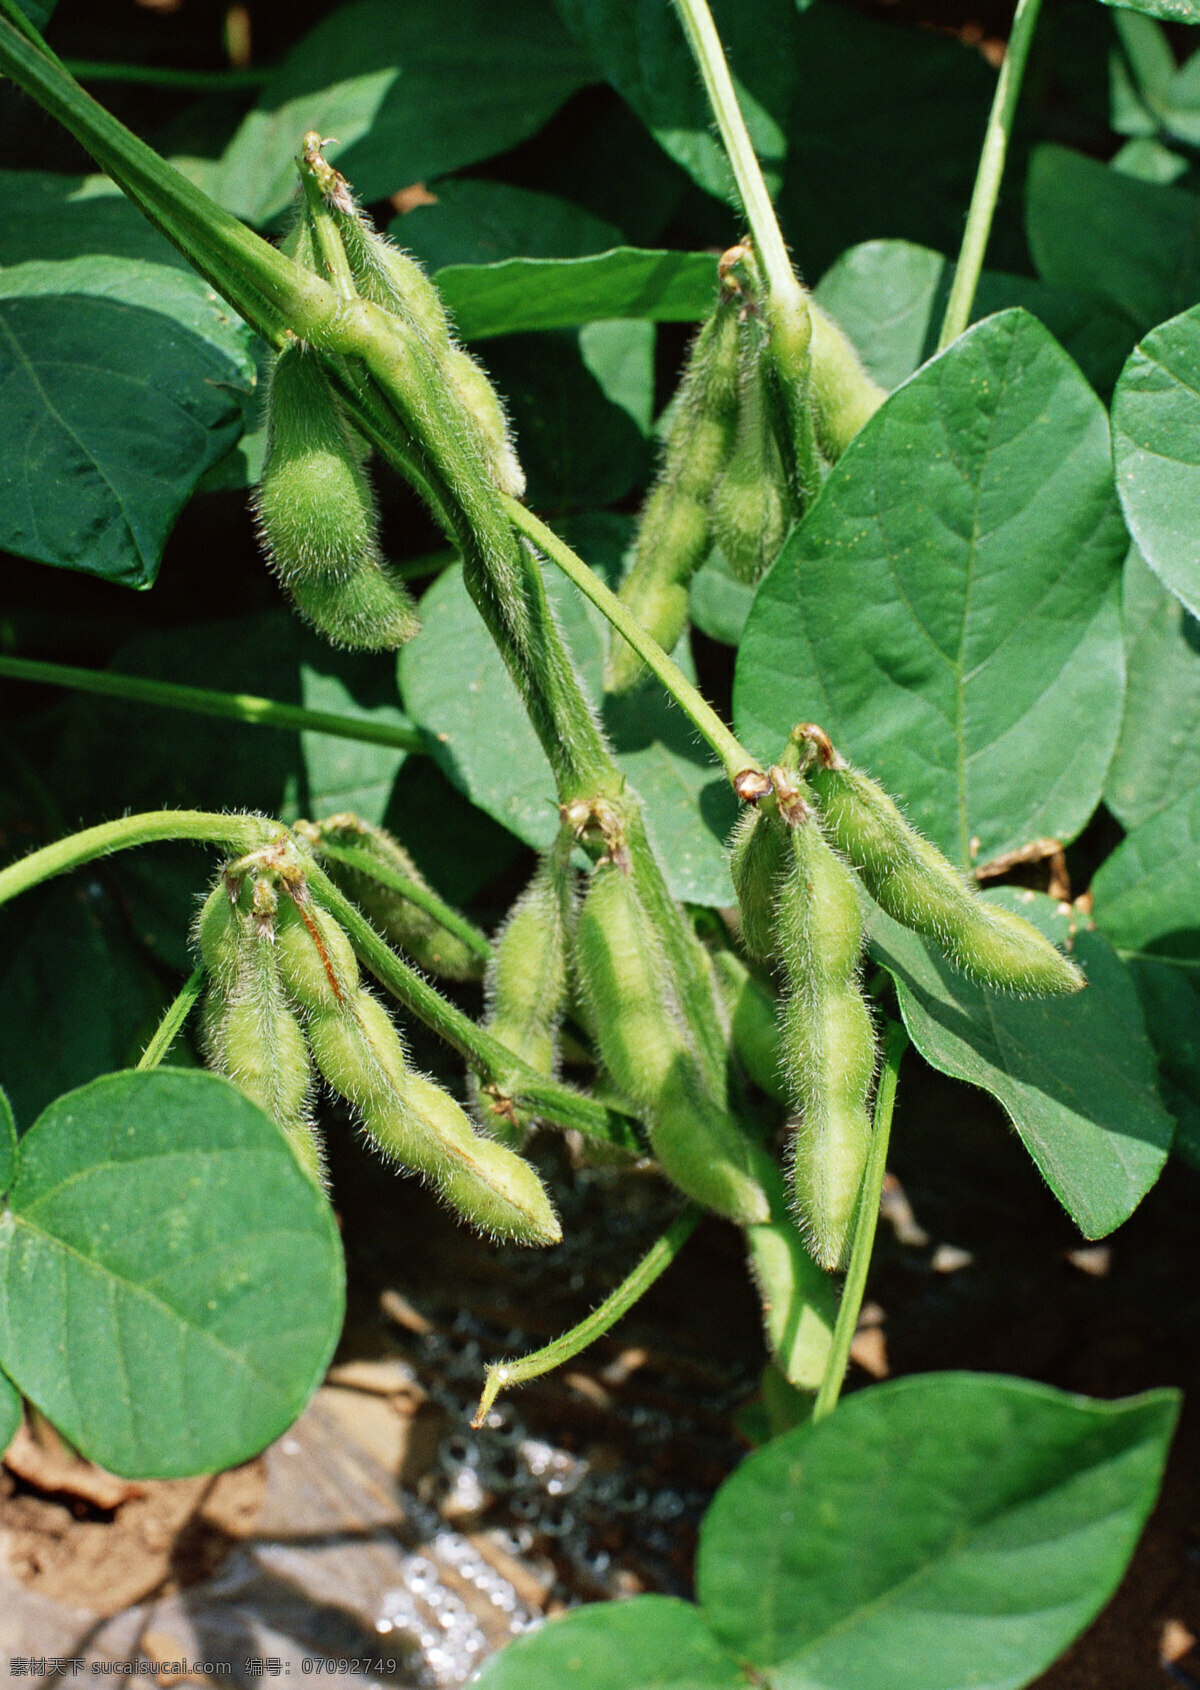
359,1051
797,1296
828,1044
703,1151
753,1023
843,395
218,935
751,507
404,923
913,882
317,516
760,857
673,536
316,959
623,979
491,1186
472,386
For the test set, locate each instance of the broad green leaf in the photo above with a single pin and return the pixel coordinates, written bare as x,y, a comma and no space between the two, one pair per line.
639,46
170,1280
455,685
579,444
645,1643
1156,449
885,134
123,382
558,293
1172,11
410,91
8,1142
1149,161
1158,754
1146,898
947,610
1133,244
78,998
10,1411
890,297
1140,74
1077,1074
938,1532
480,222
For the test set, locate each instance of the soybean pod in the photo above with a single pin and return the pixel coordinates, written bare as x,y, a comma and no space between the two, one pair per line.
751,506
913,882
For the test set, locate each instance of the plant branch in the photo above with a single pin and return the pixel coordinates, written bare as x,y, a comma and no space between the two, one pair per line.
201,701
989,174
703,717
166,76
362,862
895,1042
237,834
171,1025
501,1376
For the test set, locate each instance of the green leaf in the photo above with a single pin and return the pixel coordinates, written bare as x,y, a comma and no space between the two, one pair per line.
884,137
1149,161
479,222
935,1533
171,1282
456,686
1173,11
558,293
1076,1074
1158,754
124,382
1133,244
645,1643
890,297
10,1411
1156,448
8,1142
1146,898
640,47
718,603
947,610
411,92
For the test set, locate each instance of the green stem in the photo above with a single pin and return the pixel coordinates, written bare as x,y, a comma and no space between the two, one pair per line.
237,834
495,1064
703,717
164,76
705,43
362,862
895,1041
501,1376
989,174
233,706
172,1022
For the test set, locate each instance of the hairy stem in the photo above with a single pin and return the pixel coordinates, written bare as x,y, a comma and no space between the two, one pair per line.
171,1025
502,1376
895,1042
201,701
699,712
989,174
237,834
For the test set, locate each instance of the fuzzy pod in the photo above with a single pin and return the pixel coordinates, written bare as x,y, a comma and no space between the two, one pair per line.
220,935
760,857
370,610
403,923
843,395
359,1051
490,1186
703,1151
797,1296
753,1023
472,386
751,507
315,508
916,885
623,978
316,959
252,1037
828,1041
673,535
527,979
389,278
